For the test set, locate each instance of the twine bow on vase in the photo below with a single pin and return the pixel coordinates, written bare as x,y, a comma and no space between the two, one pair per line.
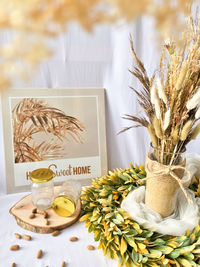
162,183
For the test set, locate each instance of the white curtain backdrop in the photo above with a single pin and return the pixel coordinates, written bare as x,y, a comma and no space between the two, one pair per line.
102,59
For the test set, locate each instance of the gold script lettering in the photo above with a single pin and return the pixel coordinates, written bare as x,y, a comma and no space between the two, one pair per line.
61,172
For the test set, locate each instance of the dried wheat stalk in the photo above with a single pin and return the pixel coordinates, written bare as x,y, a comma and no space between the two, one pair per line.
171,99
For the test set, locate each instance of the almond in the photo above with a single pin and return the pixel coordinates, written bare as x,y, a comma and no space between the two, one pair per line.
90,247
46,215
34,210
18,236
13,264
27,237
73,239
63,264
39,254
41,212
32,216
20,207
15,247
55,233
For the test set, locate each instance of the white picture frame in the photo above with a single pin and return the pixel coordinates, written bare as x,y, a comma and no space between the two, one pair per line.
61,129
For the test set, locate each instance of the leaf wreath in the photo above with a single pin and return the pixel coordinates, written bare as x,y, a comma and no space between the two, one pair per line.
123,238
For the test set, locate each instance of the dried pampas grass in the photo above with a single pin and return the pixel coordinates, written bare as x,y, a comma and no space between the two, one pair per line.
157,127
185,130
166,119
194,101
195,132
197,114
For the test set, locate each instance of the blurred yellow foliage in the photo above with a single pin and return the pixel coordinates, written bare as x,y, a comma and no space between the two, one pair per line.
32,21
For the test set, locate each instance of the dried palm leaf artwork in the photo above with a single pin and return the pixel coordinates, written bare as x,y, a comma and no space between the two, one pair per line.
32,116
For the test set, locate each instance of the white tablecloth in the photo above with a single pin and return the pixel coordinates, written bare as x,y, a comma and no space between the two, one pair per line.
56,249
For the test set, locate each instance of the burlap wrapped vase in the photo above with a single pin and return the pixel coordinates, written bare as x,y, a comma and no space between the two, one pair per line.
161,186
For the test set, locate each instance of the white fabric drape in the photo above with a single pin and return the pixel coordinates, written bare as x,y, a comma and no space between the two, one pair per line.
132,145
102,59
185,215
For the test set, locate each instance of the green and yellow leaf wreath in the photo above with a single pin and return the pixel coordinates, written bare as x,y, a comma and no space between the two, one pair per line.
123,238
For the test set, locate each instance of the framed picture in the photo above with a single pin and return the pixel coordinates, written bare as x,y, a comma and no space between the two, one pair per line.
60,129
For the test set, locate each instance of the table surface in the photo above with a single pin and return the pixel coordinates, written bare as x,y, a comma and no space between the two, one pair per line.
56,249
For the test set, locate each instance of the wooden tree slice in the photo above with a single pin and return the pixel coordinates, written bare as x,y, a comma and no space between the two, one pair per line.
23,209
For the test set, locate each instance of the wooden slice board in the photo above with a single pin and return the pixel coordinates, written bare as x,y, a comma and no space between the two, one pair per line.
23,209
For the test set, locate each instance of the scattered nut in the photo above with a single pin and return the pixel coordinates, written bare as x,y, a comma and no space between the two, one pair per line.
90,247
15,247
18,236
39,254
20,206
27,237
46,222
34,210
73,239
55,233
63,264
13,264
46,215
32,216
41,212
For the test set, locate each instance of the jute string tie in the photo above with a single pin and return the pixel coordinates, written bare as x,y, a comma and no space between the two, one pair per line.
169,170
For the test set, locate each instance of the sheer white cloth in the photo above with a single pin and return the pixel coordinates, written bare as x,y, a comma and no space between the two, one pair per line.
185,215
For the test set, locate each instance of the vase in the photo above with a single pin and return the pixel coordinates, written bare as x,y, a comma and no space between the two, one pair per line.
161,186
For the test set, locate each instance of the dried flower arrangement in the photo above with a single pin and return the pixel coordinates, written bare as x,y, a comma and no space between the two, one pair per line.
170,99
